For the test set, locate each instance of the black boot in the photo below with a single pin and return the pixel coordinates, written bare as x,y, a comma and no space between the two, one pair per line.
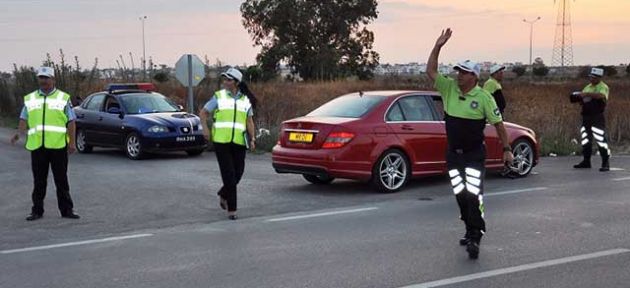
585,164
473,249
605,165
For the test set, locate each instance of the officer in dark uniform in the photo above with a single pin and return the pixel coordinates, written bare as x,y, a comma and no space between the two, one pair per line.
467,108
593,100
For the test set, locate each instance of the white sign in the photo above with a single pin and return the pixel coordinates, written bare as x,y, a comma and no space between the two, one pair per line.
190,65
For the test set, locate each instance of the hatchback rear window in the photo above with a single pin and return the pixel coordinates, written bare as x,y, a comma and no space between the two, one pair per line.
349,106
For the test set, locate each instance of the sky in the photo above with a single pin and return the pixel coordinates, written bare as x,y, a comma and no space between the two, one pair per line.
405,31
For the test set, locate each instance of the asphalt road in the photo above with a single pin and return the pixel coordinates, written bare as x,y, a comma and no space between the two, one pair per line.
156,223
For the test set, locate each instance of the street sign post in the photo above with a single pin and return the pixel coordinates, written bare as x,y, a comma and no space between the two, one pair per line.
189,70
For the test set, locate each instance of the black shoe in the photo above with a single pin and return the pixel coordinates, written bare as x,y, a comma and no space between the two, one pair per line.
34,217
233,217
70,215
605,166
464,241
582,165
473,249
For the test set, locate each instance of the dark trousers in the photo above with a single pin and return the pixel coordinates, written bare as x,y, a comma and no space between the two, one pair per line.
231,159
56,159
594,130
467,172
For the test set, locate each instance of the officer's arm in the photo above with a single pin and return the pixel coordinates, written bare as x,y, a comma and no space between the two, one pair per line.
21,130
72,127
432,63
593,95
508,157
204,114
502,132
251,128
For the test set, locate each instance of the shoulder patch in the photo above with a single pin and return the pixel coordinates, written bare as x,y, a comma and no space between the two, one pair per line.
474,104
497,112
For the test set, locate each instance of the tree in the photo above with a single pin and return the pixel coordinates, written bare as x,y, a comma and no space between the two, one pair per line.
539,68
519,70
628,70
320,40
541,71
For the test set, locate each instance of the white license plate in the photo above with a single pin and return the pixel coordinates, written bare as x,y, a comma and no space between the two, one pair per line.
186,139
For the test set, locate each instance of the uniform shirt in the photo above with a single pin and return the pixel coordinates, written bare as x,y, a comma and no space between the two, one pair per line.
68,110
496,90
466,115
213,103
595,106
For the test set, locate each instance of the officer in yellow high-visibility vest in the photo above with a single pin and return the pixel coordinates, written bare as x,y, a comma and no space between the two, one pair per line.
232,132
47,119
594,98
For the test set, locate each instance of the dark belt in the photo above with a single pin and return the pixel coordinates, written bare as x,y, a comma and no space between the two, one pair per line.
461,151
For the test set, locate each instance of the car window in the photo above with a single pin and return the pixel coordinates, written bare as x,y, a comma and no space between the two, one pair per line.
142,103
395,114
416,108
111,102
439,106
349,106
96,102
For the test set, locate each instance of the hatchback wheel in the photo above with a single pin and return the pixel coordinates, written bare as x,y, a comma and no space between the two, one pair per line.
391,172
133,147
81,142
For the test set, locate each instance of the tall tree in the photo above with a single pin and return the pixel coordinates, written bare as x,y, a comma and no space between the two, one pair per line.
318,39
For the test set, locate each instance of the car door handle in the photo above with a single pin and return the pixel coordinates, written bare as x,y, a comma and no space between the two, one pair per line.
80,116
407,128
100,118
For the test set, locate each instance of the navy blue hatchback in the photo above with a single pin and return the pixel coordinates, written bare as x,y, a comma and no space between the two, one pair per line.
138,120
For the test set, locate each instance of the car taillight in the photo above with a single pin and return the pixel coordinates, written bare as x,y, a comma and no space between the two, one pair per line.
337,140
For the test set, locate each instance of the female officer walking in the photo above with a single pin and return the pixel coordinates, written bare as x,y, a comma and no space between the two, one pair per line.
233,132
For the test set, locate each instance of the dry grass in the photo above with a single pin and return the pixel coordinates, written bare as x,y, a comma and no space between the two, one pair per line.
542,106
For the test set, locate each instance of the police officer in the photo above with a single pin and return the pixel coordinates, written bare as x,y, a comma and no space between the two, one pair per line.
593,100
467,107
494,87
48,120
232,132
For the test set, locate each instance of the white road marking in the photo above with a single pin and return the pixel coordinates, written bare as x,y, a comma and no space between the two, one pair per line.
321,214
516,191
520,268
95,241
622,179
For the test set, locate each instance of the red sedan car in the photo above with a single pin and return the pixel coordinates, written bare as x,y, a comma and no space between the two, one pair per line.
386,137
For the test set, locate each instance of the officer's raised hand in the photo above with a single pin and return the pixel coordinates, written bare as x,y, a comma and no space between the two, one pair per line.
446,34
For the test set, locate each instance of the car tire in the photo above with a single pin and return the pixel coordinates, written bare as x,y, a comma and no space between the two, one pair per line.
81,143
133,147
318,180
523,164
195,152
391,172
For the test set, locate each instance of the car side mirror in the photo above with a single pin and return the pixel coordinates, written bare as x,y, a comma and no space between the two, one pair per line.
180,107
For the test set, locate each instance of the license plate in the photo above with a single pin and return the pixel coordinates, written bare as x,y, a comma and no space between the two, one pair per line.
301,137
186,139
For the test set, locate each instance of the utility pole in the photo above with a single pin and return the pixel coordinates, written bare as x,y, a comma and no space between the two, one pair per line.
531,37
563,43
144,51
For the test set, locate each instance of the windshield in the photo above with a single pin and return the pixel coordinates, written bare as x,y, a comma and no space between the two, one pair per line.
142,103
350,106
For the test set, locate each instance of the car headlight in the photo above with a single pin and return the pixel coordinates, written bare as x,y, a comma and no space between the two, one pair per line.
158,129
